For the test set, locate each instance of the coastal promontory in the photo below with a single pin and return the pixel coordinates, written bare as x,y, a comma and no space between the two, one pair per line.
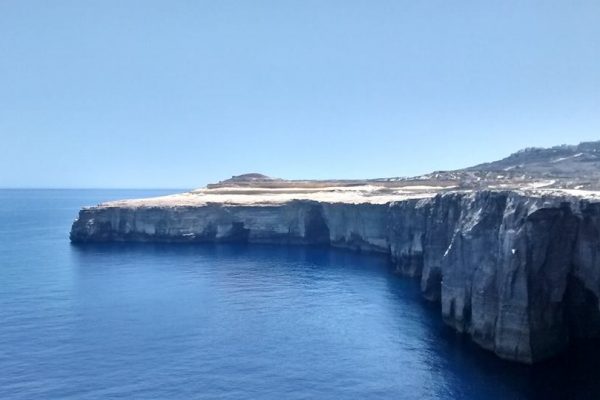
510,249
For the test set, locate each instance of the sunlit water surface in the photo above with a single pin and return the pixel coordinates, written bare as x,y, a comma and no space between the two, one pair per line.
230,322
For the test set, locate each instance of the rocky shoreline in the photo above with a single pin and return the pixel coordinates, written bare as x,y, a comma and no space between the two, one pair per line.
518,272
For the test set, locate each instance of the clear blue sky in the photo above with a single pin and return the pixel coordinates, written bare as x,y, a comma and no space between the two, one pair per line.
181,93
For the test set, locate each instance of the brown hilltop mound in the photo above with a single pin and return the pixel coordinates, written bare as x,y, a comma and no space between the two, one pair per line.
253,179
256,180
253,176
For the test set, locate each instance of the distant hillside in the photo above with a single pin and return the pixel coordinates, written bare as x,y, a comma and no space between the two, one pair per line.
557,161
565,166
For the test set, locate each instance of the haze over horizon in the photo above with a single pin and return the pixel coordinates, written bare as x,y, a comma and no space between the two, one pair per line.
150,94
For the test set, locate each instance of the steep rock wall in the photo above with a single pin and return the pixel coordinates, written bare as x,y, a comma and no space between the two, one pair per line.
519,274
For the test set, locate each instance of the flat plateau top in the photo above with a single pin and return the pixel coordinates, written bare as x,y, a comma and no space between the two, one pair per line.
359,194
566,171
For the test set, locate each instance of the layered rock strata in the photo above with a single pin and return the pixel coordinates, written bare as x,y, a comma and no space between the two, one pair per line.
519,272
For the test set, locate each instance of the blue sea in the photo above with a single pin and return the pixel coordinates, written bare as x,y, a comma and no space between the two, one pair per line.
148,321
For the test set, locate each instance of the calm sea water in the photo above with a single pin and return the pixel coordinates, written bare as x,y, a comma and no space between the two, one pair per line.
230,322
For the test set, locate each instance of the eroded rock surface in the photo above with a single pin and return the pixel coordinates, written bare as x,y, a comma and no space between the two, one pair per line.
514,263
520,274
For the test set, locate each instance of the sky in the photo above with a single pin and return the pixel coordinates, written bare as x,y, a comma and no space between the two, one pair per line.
177,94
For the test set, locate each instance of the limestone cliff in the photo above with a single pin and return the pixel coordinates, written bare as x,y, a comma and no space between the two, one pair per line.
518,272
511,248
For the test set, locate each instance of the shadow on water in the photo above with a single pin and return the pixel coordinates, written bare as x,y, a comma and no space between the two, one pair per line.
454,358
573,375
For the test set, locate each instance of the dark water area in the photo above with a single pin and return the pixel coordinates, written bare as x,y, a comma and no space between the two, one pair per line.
147,321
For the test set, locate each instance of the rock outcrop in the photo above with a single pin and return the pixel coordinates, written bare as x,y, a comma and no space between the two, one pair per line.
511,249
520,274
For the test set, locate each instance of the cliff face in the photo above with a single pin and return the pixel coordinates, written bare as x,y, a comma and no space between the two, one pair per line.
520,274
